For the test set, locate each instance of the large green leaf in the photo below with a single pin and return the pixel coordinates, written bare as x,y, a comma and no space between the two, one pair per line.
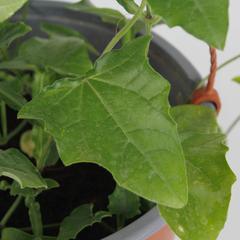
16,234
209,176
65,55
10,96
79,219
207,20
124,203
11,31
118,117
8,8
15,165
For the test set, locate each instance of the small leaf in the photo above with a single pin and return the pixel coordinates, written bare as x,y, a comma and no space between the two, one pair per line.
65,55
107,15
16,234
10,32
118,117
17,166
209,176
79,219
204,19
237,79
55,30
8,8
26,143
12,98
124,203
15,188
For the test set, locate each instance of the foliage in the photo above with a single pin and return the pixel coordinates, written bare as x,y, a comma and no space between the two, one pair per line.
204,19
209,176
79,219
107,128
124,204
115,113
8,8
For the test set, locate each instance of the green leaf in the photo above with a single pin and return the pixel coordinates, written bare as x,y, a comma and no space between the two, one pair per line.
79,219
16,234
8,8
12,98
10,32
204,19
65,55
55,30
118,117
209,176
237,79
17,166
16,189
124,203
107,15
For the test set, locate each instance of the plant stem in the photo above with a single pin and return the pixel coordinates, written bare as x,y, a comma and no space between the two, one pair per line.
229,61
4,120
120,222
233,125
10,211
108,227
125,29
14,132
52,225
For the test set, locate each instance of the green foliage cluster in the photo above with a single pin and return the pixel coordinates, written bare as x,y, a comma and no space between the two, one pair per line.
115,113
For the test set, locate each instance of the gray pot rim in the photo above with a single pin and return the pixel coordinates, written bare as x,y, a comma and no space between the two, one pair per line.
151,222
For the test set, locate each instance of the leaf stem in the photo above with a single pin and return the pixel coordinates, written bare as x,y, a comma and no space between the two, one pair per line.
229,61
10,211
4,120
233,125
125,29
108,227
14,132
120,222
52,225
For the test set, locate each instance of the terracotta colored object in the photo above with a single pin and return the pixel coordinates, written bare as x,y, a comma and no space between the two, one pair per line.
202,95
164,234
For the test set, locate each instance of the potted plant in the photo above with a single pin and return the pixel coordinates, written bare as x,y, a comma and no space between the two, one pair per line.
96,142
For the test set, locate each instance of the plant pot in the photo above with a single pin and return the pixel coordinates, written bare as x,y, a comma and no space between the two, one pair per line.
164,58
